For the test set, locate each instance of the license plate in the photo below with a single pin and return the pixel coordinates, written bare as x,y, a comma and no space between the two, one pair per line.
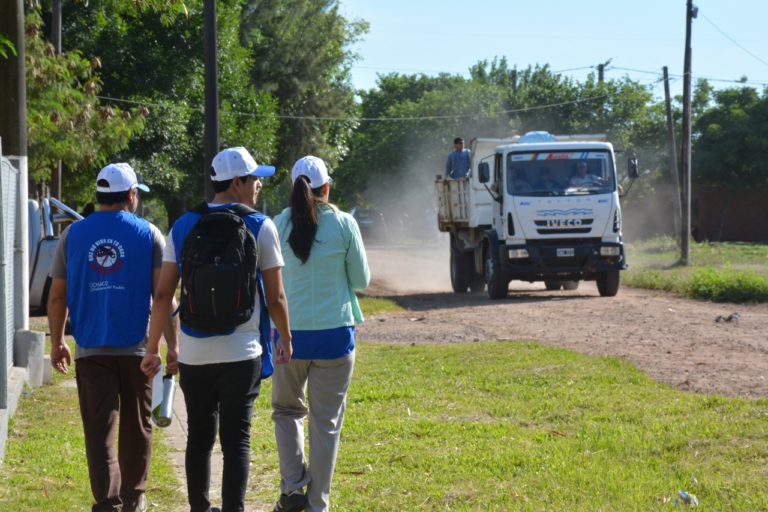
565,252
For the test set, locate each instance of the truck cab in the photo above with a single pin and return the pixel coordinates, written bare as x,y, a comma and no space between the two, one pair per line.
553,214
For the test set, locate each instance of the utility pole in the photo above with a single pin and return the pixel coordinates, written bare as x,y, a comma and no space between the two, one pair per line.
211,132
56,41
672,146
13,131
601,70
685,249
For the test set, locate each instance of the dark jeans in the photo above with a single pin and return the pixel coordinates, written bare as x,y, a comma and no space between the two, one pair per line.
108,386
220,394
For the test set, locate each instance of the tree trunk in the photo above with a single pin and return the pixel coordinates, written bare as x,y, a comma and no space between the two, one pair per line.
175,208
724,215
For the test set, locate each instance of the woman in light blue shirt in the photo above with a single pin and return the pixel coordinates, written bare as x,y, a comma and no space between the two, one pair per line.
325,264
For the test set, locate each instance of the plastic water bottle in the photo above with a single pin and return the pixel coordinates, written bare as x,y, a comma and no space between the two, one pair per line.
163,413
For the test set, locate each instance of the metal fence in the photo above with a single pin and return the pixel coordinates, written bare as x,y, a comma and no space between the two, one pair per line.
9,182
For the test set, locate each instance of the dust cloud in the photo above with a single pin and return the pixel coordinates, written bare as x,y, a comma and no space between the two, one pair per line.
410,254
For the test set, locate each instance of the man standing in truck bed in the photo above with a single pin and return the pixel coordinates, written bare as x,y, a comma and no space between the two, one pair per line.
457,165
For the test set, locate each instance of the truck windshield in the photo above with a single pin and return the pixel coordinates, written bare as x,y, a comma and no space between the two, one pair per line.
557,173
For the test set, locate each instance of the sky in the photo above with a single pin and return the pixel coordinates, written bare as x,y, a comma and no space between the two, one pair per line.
729,38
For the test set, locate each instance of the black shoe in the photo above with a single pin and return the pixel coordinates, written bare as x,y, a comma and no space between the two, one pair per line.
294,502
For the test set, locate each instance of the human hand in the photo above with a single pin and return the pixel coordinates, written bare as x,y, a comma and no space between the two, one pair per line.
172,361
151,364
61,357
283,351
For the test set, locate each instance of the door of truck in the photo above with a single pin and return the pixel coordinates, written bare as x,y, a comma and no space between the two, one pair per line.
482,204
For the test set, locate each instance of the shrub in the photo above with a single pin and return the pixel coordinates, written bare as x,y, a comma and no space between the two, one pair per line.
727,286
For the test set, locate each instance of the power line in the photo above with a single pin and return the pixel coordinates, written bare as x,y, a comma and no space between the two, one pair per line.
726,80
374,119
733,40
581,68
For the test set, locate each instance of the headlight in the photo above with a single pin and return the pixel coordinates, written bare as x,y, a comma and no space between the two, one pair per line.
610,251
518,253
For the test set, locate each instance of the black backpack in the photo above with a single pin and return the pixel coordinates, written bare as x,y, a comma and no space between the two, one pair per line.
218,268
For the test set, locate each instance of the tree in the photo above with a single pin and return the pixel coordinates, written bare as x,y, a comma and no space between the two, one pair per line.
66,119
730,143
6,47
153,63
305,65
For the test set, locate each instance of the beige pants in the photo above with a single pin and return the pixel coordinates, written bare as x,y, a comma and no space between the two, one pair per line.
326,382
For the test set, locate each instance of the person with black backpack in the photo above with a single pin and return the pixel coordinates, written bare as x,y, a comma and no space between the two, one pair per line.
228,258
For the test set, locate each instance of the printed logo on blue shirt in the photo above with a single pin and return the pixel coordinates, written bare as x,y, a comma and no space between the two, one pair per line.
106,256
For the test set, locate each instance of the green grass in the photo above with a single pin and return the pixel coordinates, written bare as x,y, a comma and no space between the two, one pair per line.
721,272
519,426
375,306
45,467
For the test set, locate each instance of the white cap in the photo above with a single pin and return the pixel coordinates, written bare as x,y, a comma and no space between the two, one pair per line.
120,178
313,168
237,162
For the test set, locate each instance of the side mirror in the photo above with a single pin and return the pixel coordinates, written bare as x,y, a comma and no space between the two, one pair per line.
484,172
632,167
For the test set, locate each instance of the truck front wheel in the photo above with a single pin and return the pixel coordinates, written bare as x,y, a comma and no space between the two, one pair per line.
461,270
498,285
608,283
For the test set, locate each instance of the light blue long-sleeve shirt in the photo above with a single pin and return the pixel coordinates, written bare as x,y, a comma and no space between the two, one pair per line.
458,164
321,291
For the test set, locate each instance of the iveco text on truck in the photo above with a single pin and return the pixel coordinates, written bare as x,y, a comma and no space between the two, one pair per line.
535,208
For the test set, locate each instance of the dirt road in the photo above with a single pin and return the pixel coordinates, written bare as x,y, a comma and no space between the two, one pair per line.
674,340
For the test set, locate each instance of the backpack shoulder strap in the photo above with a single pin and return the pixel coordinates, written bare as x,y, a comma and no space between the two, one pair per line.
241,210
201,208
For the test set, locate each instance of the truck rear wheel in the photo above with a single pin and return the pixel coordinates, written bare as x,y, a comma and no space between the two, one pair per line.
498,285
570,285
461,270
552,285
478,283
608,283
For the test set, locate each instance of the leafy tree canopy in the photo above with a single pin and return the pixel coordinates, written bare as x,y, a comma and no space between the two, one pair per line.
66,119
301,55
732,140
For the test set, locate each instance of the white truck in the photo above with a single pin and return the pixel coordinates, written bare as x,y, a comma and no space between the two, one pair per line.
538,207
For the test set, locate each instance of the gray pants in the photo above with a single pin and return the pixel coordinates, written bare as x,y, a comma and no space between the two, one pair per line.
327,381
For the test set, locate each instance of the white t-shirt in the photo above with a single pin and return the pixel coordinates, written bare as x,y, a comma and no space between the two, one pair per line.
243,344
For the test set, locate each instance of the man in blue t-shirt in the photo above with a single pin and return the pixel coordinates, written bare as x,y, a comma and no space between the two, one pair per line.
103,275
221,371
458,162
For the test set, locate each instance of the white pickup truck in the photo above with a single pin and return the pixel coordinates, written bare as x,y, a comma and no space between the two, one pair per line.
43,219
535,208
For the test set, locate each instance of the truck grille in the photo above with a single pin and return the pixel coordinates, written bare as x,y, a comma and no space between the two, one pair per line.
563,227
574,262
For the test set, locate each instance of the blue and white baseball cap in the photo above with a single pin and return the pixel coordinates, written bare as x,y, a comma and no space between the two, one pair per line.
118,177
237,162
